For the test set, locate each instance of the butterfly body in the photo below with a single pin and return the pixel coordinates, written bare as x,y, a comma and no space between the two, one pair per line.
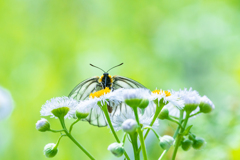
106,80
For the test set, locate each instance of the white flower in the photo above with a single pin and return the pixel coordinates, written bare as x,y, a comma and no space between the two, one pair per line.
137,93
43,125
175,112
168,96
129,126
116,149
59,102
127,113
206,105
6,103
189,97
96,115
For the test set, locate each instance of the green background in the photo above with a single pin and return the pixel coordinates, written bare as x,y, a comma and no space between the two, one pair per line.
46,47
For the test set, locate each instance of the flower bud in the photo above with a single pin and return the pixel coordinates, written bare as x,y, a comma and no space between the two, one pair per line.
198,143
166,142
186,144
50,150
190,107
206,105
81,115
129,126
60,112
164,114
191,137
144,103
133,102
116,149
43,125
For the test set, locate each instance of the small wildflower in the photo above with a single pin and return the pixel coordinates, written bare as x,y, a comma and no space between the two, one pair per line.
50,150
130,126
166,141
116,149
60,106
206,105
43,125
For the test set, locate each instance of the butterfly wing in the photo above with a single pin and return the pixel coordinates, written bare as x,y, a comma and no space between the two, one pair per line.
83,89
124,82
82,92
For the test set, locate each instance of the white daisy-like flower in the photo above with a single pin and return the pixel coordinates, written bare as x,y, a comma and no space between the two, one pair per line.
175,112
96,115
167,96
206,105
136,93
58,103
189,97
145,117
6,103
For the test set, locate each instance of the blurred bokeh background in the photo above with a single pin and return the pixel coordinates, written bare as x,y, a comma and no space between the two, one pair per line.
46,47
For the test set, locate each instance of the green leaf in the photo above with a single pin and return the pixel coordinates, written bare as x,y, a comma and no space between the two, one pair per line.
187,130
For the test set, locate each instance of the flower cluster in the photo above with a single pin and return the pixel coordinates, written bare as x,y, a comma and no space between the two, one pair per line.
130,110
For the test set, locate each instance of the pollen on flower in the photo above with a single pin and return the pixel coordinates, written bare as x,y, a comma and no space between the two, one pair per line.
157,91
100,93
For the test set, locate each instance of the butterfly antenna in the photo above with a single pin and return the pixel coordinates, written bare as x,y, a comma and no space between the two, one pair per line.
97,67
115,66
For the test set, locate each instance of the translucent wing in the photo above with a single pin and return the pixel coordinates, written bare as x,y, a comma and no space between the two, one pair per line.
82,92
83,89
124,82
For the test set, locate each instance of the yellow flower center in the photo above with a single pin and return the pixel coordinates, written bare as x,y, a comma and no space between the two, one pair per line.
157,91
99,93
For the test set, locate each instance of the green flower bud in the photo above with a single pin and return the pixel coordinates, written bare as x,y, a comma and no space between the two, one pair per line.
144,103
43,125
164,114
81,115
50,150
186,144
198,143
129,126
190,107
191,137
60,112
133,102
166,142
206,105
116,149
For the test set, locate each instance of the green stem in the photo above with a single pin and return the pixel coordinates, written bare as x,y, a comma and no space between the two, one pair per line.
144,152
158,110
170,119
195,114
56,131
135,145
175,134
124,138
153,131
74,140
71,127
105,111
179,136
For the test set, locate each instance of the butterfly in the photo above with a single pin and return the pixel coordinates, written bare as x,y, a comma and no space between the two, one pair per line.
88,86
